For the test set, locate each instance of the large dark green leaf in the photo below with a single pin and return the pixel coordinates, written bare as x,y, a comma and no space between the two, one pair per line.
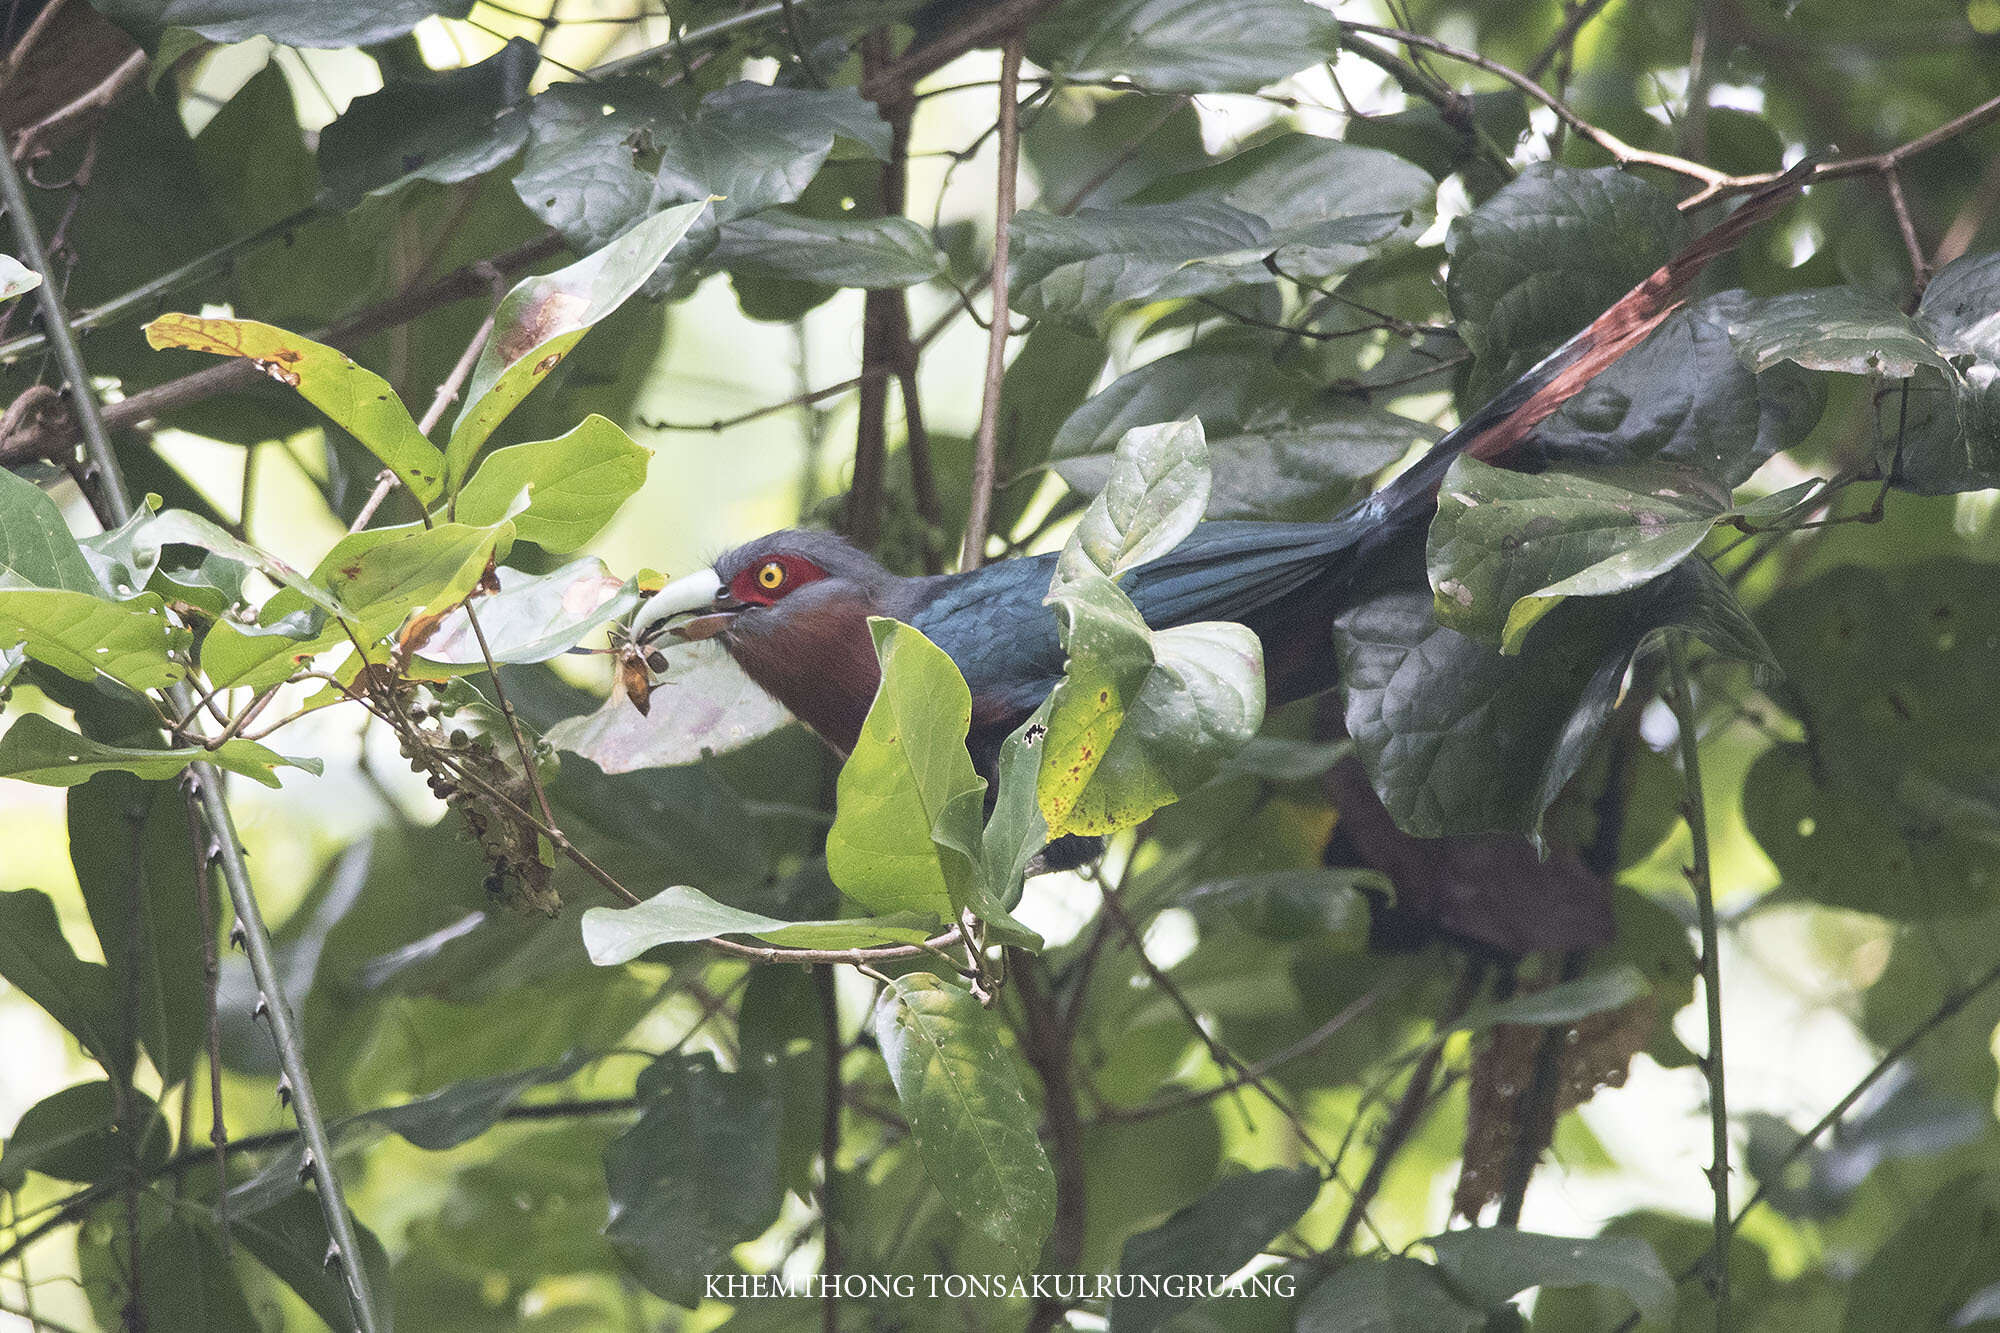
188,1283
1459,739
76,1135
1498,1263
1834,328
1178,46
593,175
1952,440
695,1176
1213,1237
1892,807
444,128
1684,398
961,1093
839,252
360,23
1279,449
1544,257
1080,266
1507,547
290,1239
1392,1295
36,960
36,549
1943,1254
128,841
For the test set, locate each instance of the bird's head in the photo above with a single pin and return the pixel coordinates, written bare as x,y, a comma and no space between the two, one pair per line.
767,586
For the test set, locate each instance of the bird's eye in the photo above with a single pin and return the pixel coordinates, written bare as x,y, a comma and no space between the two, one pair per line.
771,576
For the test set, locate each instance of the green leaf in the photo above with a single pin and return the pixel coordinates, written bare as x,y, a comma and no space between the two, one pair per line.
1939,1257
1834,328
75,1135
464,1110
1498,1263
1391,1295
1083,265
695,1176
543,317
35,544
905,835
16,278
128,843
180,527
379,577
37,750
290,1239
1891,807
1156,493
1683,398
1325,905
962,1096
1951,440
1563,1004
188,1283
1212,1237
1546,255
1110,658
753,145
359,401
1278,448
1459,739
1016,830
704,704
1201,701
615,935
1331,206
443,127
36,960
362,23
1507,547
83,635
533,618
871,253
573,484
1174,46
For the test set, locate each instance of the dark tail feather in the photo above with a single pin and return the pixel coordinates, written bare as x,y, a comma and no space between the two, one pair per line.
1498,428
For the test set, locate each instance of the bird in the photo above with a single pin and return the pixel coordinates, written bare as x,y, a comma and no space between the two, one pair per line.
792,607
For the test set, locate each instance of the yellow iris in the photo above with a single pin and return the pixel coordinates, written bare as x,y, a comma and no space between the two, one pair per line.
771,575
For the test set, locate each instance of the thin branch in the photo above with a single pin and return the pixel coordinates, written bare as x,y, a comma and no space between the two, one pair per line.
1409,1110
1906,227
206,779
211,974
92,102
1694,809
880,348
1573,23
986,441
1048,1046
51,438
829,1146
997,24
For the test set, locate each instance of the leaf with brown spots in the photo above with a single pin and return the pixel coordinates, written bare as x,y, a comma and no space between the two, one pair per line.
359,401
545,316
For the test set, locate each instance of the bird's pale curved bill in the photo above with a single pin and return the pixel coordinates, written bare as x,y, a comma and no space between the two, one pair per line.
695,592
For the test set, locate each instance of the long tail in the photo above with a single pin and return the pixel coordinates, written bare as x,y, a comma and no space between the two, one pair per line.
1497,429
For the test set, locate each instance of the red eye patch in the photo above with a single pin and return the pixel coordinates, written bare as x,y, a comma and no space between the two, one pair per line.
765,581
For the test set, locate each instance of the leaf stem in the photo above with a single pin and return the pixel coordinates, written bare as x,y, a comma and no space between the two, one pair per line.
1695,810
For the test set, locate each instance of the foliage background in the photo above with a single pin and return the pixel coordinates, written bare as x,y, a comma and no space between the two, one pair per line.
1830,955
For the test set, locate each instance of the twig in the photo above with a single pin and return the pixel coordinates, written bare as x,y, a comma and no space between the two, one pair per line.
986,442
1048,1045
211,973
829,1147
1920,273
206,779
999,23
1572,24
1305,1045
237,373
93,101
1409,1110
1695,811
